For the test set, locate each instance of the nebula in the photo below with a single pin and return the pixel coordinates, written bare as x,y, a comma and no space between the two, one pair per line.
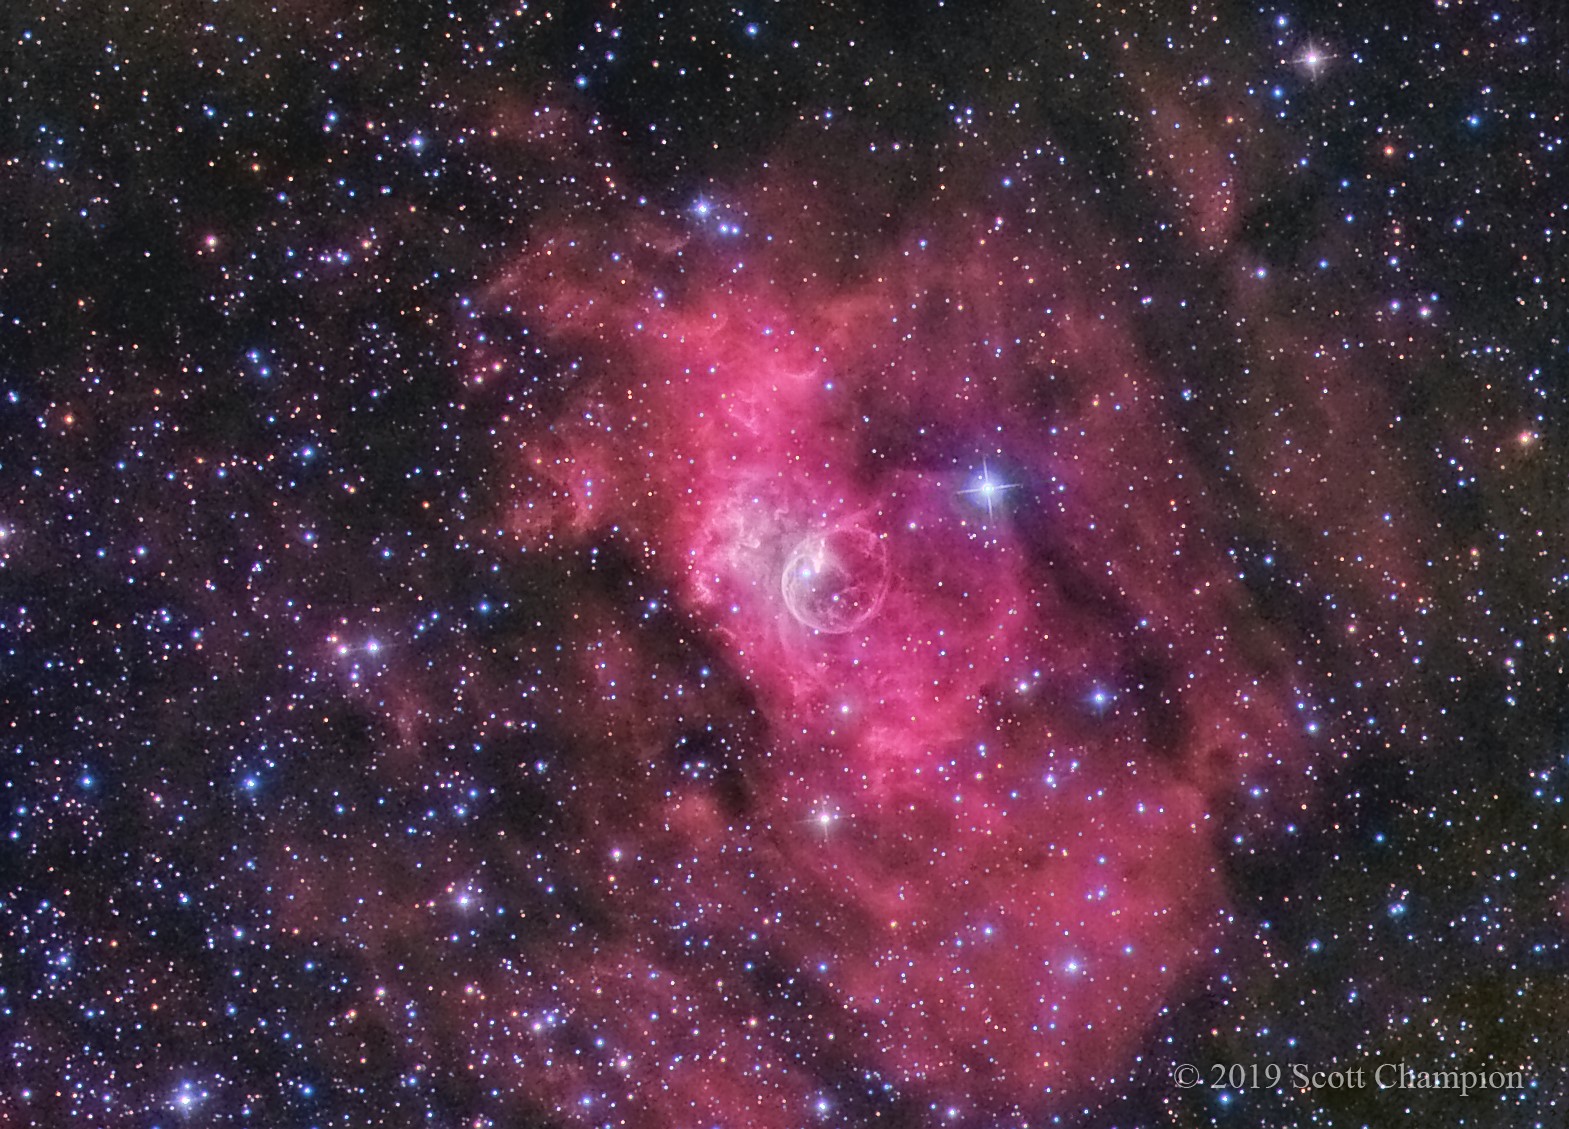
925,512
834,580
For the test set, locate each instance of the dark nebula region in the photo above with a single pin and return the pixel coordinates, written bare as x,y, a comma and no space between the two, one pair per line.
801,566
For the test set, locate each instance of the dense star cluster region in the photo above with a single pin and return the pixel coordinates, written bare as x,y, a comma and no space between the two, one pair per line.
612,565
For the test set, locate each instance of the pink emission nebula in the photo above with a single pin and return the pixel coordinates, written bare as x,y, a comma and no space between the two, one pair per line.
926,510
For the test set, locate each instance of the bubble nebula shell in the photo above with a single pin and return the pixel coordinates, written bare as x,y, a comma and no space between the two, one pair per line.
835,579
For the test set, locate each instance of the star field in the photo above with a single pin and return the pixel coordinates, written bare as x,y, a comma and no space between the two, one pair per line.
801,565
